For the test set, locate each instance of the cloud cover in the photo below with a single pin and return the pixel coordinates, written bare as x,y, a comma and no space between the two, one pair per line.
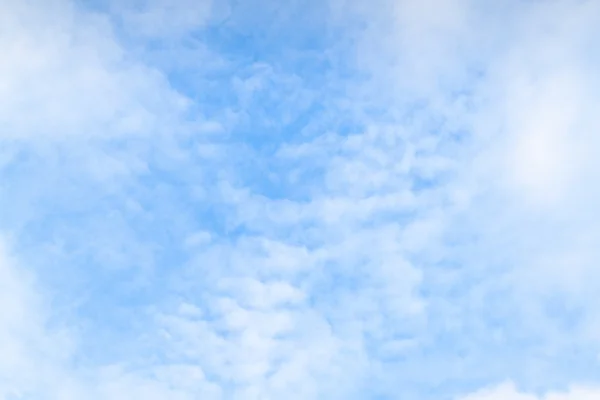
313,200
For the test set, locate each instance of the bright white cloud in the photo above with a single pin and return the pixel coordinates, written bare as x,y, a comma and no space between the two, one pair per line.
29,347
64,74
508,391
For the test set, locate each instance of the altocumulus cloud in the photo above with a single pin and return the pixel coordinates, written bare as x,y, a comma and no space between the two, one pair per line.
299,200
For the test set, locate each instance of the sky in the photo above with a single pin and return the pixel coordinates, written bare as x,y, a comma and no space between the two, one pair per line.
333,199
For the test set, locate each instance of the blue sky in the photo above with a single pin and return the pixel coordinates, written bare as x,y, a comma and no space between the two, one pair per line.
340,199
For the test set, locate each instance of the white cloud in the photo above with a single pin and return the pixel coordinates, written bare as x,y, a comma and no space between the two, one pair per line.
27,346
38,352
508,391
63,74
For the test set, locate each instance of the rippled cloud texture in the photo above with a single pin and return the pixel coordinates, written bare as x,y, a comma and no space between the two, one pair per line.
342,199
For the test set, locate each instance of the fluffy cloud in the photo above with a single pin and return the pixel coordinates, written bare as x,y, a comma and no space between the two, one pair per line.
64,73
508,391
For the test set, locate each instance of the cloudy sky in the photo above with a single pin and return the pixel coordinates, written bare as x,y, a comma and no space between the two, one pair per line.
301,199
